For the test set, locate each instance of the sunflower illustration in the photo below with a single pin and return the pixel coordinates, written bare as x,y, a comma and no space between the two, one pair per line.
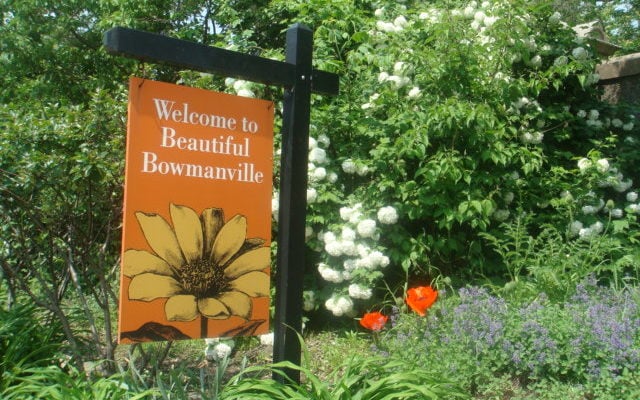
203,266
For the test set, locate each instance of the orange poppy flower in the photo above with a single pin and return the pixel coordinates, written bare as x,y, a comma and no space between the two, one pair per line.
373,321
420,298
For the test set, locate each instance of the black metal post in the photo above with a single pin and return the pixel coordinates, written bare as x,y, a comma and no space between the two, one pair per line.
293,202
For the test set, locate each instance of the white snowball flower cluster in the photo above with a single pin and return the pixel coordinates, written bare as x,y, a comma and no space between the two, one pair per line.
366,228
608,209
387,215
241,87
340,305
602,165
560,61
575,227
318,155
525,103
622,186
353,257
478,14
399,77
534,137
398,24
433,15
361,169
329,274
316,169
371,260
536,61
530,43
618,123
617,213
349,166
359,292
323,140
348,248
414,93
579,53
317,174
592,231
348,234
312,195
594,123
351,214
372,99
468,11
612,177
584,164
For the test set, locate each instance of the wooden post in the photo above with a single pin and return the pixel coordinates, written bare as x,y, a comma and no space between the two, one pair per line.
293,202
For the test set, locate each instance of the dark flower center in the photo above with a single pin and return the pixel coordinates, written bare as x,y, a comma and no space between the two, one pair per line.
203,278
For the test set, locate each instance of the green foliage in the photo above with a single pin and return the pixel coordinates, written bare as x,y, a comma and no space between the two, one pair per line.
55,383
60,180
27,340
554,263
358,378
33,364
461,116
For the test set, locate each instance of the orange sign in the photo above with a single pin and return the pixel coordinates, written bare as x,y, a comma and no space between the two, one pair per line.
197,214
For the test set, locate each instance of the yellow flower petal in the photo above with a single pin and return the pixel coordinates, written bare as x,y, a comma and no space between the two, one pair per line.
182,307
252,283
238,303
148,286
254,260
250,244
212,221
161,238
213,308
136,262
229,240
188,230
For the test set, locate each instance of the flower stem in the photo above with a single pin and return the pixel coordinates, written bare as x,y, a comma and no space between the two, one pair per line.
204,322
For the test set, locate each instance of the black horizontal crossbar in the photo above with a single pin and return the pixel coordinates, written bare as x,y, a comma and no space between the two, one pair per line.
153,47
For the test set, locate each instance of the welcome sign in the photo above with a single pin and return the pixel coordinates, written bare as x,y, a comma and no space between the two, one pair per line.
197,214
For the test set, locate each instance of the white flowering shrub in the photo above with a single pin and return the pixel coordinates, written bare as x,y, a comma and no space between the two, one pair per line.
354,260
453,119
